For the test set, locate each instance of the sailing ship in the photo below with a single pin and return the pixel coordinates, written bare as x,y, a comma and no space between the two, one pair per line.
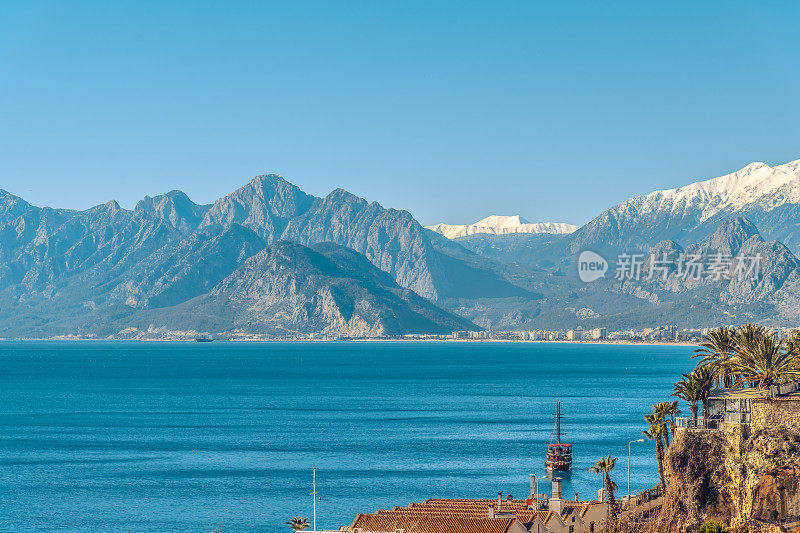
559,454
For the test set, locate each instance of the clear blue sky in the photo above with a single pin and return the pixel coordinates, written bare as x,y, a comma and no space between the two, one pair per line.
452,110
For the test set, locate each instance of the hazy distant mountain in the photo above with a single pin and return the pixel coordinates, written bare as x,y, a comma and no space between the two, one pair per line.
501,225
175,208
519,248
393,240
770,295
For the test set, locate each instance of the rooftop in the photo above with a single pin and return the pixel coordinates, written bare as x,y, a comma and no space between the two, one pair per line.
391,522
738,394
526,511
789,391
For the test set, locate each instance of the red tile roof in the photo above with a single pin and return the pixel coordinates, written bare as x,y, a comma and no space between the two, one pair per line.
389,522
478,509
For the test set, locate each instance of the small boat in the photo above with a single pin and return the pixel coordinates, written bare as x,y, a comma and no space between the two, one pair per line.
559,454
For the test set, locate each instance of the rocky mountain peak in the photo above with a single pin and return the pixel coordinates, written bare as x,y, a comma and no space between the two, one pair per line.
175,208
341,195
111,206
730,237
265,204
12,206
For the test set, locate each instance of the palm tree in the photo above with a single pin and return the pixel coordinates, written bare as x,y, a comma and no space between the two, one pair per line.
761,359
717,348
667,411
688,390
298,523
704,375
655,432
748,335
604,466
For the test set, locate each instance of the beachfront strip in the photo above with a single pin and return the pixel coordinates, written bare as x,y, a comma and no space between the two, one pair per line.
656,334
536,514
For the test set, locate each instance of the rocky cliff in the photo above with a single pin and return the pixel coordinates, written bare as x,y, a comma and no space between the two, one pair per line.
752,485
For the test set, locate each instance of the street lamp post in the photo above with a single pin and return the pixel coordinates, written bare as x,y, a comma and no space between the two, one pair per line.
314,496
629,467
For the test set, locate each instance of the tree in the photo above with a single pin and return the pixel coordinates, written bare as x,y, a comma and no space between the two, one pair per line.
604,466
667,412
656,432
704,375
688,390
298,523
716,350
761,359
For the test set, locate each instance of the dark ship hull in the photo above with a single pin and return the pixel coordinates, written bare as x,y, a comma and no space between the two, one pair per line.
559,457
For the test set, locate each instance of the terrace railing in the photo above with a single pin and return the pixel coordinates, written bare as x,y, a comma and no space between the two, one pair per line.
737,418
685,422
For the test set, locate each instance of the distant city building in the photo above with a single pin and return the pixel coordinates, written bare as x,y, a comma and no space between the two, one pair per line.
599,333
667,333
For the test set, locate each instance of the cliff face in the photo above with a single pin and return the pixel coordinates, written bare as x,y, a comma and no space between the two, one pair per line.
752,485
767,478
696,478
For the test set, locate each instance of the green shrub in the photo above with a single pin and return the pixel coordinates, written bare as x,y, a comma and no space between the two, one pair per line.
714,526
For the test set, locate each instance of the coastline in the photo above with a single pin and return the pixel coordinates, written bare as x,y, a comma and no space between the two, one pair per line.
361,340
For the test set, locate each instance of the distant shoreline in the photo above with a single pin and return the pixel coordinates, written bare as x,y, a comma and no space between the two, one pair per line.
362,340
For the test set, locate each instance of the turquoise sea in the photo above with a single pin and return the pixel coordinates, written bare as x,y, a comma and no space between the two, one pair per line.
126,436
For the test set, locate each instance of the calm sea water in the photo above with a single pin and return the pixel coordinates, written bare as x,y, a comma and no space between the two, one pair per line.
184,436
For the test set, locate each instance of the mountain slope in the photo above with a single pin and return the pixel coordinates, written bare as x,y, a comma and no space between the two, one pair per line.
290,288
393,240
174,208
265,205
55,263
768,196
190,268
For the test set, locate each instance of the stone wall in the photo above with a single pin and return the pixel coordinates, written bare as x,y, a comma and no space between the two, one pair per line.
775,413
735,435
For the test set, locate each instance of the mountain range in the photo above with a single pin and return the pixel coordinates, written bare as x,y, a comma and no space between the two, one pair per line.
502,225
271,259
767,196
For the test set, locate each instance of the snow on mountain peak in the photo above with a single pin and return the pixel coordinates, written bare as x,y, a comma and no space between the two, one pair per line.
501,225
757,183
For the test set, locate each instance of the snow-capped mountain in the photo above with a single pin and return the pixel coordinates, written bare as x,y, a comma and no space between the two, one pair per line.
501,225
756,184
768,196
